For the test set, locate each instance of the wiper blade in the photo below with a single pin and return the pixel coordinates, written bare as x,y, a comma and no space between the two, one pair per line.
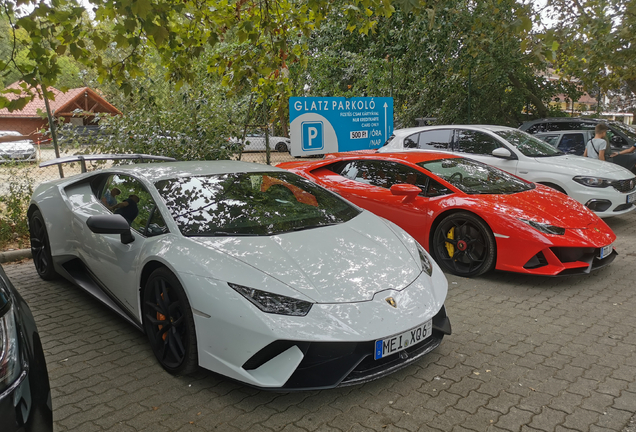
221,234
306,227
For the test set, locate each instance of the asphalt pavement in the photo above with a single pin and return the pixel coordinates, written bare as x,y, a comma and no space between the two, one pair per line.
526,354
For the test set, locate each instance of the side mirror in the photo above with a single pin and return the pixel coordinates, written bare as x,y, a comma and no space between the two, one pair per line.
408,191
111,224
502,153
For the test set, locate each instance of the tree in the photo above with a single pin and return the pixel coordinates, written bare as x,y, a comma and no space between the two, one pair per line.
597,42
460,61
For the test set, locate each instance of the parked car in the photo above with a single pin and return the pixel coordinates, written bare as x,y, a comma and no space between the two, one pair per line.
574,142
249,271
21,150
25,394
470,216
619,135
256,142
603,187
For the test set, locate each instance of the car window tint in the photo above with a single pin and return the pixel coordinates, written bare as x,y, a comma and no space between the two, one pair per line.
128,186
475,142
438,139
385,174
550,139
536,128
411,141
436,189
474,177
156,224
616,140
250,204
573,143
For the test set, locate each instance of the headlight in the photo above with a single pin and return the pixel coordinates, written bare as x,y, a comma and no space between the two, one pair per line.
596,182
426,262
273,303
545,228
9,357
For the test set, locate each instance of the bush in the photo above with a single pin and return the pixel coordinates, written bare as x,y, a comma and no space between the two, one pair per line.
14,201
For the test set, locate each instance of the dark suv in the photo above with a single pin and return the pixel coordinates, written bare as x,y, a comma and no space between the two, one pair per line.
619,135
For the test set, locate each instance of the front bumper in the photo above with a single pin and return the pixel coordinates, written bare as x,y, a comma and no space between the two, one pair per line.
333,364
605,202
558,261
18,157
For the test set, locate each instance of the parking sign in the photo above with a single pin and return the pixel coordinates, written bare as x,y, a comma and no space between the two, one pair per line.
337,124
312,136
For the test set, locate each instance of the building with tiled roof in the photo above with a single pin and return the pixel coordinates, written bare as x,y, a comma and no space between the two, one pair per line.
32,118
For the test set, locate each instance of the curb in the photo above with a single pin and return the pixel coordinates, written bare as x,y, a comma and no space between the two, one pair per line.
14,255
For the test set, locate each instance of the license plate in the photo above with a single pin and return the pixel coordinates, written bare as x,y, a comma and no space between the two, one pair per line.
631,198
606,251
399,342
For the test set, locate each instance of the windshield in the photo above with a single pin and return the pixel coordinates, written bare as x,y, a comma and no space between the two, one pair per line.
626,130
250,204
474,177
528,145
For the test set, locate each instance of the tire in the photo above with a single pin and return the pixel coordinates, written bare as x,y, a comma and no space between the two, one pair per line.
40,247
168,322
280,147
555,187
464,245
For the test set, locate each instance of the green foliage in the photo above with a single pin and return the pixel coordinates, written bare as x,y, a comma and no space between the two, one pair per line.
597,42
13,204
459,61
189,124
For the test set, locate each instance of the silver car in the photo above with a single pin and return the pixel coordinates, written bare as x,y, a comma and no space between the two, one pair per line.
16,150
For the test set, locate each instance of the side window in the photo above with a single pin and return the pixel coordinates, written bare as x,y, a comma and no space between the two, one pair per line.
411,141
536,128
573,143
131,200
365,172
438,139
436,189
616,140
553,140
475,142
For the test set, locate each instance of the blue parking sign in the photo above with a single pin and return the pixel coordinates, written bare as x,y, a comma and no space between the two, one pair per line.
322,125
312,135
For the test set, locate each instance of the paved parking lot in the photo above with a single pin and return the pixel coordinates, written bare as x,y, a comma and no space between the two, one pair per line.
526,354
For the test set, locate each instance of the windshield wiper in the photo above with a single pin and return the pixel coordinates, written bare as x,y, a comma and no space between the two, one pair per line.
306,227
221,234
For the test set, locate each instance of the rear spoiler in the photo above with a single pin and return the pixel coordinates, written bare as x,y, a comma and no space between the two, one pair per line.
96,157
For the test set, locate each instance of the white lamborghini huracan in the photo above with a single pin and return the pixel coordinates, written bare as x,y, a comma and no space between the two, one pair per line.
246,270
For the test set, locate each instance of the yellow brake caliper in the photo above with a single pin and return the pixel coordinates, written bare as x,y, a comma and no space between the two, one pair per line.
449,246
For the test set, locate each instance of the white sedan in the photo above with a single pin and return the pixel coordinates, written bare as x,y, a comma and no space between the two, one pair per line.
18,149
256,142
246,270
605,188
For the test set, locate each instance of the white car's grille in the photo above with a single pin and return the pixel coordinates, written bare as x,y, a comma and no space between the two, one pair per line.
624,185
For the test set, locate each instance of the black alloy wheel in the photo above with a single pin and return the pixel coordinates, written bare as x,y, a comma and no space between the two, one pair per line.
40,247
280,147
464,245
169,323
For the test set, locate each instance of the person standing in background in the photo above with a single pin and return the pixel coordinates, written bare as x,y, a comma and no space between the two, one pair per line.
595,147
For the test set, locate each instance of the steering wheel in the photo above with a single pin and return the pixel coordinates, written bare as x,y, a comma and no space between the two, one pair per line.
457,174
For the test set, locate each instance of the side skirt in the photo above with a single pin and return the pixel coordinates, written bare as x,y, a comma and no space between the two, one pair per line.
73,269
